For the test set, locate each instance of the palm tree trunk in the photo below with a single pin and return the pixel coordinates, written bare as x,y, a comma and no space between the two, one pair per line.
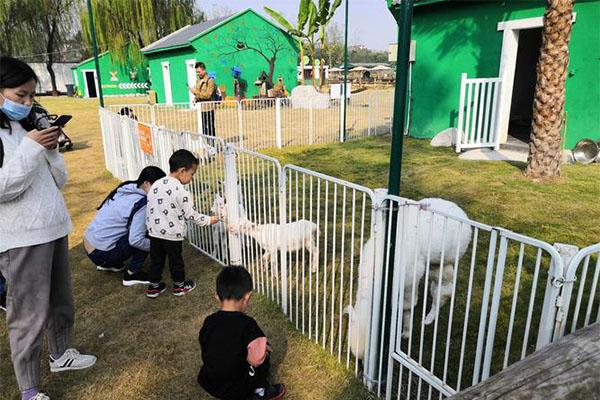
545,153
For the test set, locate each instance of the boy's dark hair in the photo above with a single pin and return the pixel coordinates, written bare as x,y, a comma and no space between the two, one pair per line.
200,64
182,159
233,283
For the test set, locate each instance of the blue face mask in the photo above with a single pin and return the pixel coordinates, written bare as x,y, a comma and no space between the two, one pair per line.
15,111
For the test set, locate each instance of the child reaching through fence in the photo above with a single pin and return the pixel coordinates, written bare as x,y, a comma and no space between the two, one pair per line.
169,206
235,351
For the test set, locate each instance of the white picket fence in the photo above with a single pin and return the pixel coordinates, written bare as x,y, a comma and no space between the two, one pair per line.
478,113
262,123
455,303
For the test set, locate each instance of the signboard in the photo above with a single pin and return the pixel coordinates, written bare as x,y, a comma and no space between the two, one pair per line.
393,51
145,133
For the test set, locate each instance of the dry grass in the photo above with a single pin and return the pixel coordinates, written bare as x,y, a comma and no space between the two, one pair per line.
148,348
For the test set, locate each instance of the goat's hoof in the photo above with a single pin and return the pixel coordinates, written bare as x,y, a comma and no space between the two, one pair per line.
429,319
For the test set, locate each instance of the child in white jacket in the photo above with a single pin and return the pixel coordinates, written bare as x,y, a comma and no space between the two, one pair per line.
169,206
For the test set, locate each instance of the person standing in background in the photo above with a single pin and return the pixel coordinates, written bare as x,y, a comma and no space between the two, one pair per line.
205,91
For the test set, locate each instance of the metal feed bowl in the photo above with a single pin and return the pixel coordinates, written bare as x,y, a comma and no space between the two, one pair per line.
585,151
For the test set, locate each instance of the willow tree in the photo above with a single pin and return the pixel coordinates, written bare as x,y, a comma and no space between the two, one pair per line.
124,27
37,31
545,153
305,27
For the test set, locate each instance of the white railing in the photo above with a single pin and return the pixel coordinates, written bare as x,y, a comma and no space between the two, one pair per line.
477,113
262,123
456,302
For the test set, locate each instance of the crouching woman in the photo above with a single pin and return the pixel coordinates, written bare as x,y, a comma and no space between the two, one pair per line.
118,232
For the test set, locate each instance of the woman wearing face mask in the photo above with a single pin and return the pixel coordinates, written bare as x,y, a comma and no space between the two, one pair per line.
34,224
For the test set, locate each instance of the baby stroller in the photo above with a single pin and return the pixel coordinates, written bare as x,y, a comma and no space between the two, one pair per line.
44,120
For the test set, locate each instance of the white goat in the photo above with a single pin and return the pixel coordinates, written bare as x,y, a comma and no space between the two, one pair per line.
414,259
290,237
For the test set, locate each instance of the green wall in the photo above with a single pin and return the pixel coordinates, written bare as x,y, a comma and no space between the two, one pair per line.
217,50
457,37
111,87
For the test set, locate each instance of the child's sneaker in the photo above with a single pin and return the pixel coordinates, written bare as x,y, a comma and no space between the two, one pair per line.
183,288
3,302
71,360
40,396
273,392
139,278
155,289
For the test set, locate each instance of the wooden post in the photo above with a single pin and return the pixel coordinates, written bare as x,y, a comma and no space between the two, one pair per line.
566,369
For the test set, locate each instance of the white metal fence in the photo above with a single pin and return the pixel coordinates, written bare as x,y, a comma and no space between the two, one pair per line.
261,123
456,302
477,113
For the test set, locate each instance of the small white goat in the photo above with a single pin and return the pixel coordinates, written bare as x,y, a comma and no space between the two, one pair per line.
456,242
290,237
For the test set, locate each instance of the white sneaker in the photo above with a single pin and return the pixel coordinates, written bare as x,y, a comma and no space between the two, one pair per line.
72,360
40,396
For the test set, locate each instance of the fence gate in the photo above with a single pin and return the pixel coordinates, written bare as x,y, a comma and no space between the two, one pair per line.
477,113
453,280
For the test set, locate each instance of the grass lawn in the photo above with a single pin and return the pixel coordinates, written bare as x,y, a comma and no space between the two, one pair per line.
494,193
148,348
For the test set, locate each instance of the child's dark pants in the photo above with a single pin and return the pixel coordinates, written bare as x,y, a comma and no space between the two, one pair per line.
160,249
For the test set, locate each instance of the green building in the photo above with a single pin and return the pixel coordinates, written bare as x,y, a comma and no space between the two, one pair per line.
499,39
245,40
117,79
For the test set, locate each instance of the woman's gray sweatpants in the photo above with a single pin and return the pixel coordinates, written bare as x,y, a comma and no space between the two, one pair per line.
39,296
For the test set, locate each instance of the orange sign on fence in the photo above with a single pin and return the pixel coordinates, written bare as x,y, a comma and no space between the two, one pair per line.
145,132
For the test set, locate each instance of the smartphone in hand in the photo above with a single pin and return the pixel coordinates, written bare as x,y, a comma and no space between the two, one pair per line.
61,121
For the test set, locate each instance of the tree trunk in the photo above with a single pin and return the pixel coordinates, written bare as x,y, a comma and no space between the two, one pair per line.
50,50
271,70
312,63
301,60
545,153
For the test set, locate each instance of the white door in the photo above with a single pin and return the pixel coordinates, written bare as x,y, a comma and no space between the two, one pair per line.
191,76
167,82
477,113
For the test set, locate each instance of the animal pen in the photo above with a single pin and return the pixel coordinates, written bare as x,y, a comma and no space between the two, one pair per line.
467,299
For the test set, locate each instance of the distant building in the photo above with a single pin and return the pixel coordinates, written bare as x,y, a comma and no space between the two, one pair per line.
62,74
245,41
117,79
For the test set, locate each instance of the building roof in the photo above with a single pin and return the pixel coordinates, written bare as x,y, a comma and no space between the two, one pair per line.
89,59
186,35
183,36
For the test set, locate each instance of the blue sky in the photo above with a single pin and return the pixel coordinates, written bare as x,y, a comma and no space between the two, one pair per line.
371,24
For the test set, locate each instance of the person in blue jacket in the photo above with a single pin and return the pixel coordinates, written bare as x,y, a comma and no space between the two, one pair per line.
118,232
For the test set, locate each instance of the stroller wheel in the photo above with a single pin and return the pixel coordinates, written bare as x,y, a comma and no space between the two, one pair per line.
69,146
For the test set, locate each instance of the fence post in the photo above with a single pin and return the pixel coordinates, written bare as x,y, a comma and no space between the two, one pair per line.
310,122
369,113
461,112
283,256
153,114
240,124
343,100
233,209
551,321
199,117
378,231
278,121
